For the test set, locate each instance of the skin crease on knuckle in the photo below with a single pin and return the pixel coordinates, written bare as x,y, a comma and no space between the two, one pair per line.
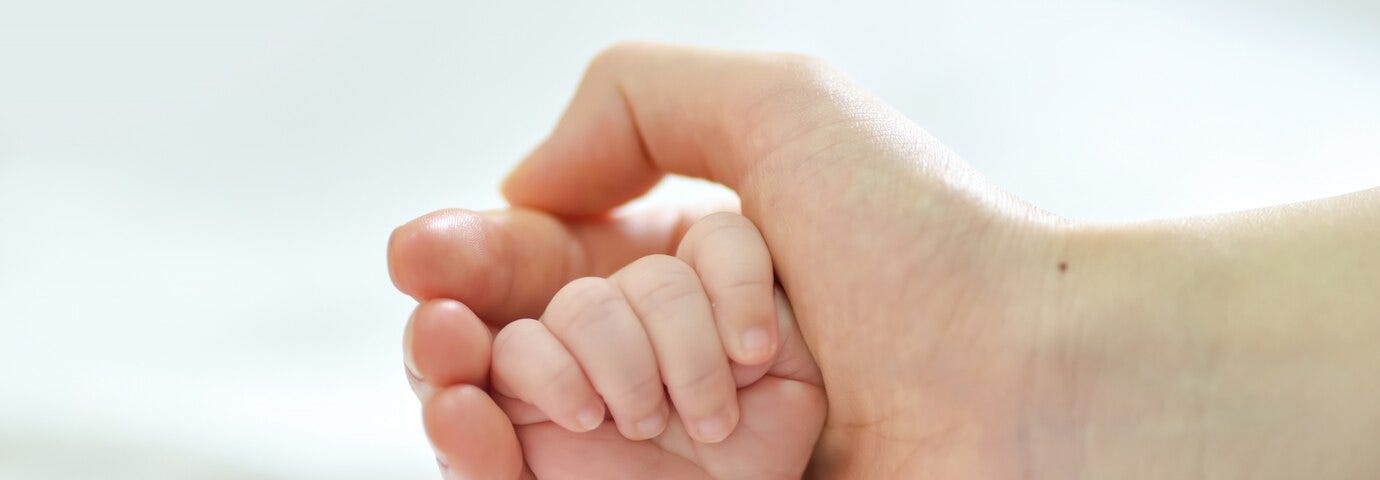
590,312
509,346
663,287
549,379
581,305
660,283
735,270
726,233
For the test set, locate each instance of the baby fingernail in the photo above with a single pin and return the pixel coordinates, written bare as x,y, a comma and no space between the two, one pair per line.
756,341
590,417
713,429
650,427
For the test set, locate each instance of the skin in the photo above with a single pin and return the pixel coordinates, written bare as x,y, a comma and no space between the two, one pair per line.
648,331
959,332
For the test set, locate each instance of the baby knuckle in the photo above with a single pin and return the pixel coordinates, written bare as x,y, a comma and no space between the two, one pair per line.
756,287
509,337
723,225
665,267
561,381
699,381
644,389
582,302
659,285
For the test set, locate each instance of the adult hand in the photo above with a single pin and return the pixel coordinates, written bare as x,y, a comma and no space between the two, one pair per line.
960,333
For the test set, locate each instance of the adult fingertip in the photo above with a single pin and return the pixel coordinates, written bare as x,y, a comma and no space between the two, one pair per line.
471,434
448,344
511,185
442,254
392,254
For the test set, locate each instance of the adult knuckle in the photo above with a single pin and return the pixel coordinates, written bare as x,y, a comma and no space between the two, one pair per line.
800,74
614,54
803,66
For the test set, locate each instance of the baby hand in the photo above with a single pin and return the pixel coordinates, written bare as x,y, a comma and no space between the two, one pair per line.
702,324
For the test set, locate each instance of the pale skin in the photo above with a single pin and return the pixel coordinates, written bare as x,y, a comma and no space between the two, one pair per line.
647,345
959,332
670,348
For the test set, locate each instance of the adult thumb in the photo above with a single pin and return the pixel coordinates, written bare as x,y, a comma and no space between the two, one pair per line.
645,110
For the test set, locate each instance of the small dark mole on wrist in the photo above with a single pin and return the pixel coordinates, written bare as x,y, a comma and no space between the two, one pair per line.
1063,267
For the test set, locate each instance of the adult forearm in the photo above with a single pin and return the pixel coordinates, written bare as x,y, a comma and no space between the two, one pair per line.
1237,345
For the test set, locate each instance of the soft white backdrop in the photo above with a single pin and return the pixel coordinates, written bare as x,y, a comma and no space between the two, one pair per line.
195,198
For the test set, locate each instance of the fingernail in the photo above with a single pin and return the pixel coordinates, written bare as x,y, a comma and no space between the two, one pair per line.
756,341
446,474
424,391
408,361
713,429
591,416
650,427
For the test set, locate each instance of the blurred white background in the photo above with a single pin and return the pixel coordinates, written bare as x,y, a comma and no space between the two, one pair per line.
195,198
